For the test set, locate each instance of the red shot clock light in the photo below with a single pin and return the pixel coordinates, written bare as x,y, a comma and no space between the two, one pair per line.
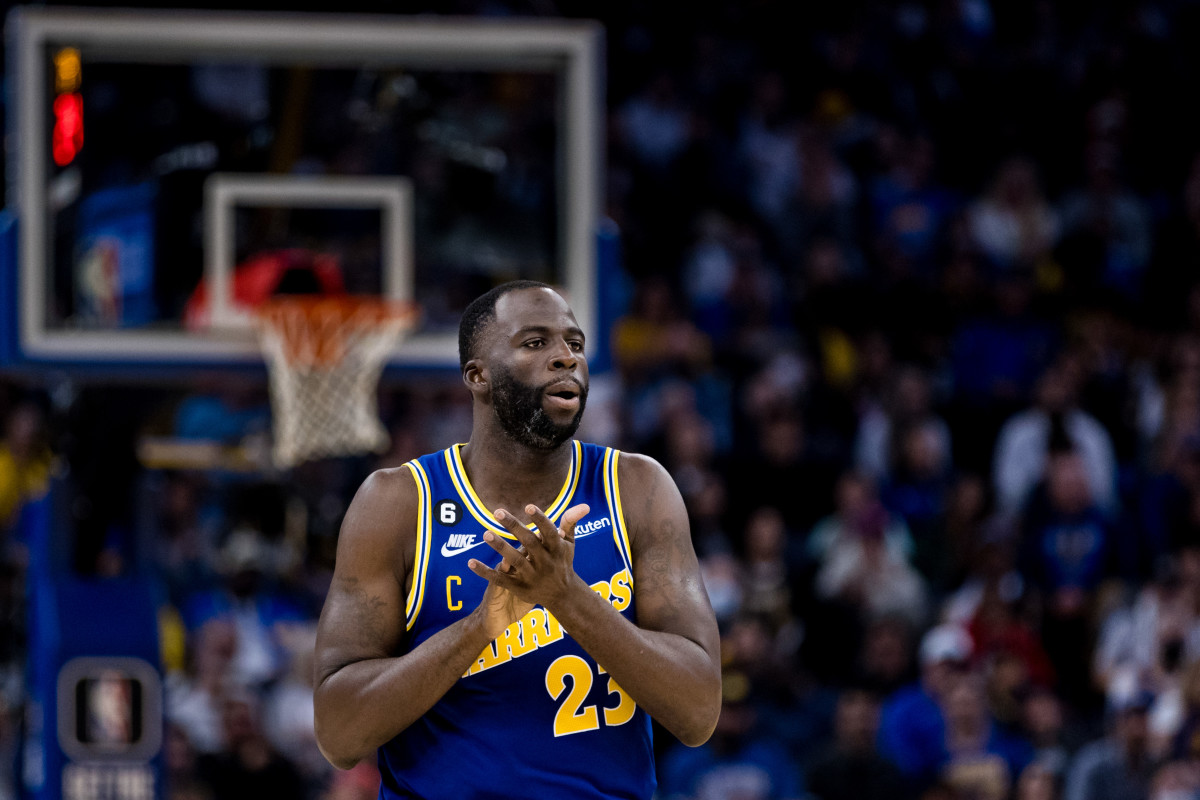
68,127
67,138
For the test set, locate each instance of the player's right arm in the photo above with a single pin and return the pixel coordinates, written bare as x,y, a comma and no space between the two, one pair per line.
366,689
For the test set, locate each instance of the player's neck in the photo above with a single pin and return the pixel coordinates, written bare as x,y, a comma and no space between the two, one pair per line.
505,473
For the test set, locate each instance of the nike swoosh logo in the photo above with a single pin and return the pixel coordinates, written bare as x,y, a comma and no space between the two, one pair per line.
448,551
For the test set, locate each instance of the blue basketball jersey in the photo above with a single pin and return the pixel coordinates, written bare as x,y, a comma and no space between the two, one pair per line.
535,716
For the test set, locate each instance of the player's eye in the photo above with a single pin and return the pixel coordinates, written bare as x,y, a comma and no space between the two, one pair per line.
575,345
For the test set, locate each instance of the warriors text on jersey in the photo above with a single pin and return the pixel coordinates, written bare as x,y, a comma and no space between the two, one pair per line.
535,715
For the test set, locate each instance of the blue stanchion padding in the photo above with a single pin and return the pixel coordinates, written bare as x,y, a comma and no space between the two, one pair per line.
94,724
10,346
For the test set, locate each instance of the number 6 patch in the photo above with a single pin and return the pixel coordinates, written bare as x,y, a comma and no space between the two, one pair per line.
448,512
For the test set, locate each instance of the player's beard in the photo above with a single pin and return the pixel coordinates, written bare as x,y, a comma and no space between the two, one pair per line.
518,408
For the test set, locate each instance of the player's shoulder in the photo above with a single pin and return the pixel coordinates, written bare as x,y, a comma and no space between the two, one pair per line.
384,508
640,464
651,503
388,484
640,473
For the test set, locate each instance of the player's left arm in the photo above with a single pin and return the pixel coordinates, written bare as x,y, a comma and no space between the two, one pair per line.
669,661
679,680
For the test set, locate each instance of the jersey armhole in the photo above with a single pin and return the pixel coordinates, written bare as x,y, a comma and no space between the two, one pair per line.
416,592
612,493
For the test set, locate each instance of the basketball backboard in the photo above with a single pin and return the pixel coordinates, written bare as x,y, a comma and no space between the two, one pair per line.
166,166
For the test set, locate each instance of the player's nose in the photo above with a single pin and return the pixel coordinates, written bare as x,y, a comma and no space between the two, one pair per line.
564,356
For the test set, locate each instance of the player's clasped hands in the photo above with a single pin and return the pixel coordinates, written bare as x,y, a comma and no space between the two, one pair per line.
542,569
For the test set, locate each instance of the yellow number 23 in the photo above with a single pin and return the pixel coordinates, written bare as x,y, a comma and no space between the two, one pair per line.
573,716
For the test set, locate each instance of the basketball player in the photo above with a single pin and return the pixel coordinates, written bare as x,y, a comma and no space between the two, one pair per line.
507,615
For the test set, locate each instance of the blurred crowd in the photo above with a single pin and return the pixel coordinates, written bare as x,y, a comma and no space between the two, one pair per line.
912,317
914,325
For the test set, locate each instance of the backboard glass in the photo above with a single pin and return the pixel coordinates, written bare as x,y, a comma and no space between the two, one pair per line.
164,162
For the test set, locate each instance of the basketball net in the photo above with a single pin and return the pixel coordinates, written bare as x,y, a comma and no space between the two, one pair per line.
325,355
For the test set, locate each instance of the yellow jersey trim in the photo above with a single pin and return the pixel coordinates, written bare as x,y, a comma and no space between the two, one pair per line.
612,493
416,593
484,515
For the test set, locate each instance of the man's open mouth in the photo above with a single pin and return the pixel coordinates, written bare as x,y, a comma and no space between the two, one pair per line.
564,394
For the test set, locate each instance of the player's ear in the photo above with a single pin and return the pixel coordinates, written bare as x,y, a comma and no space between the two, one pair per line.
475,375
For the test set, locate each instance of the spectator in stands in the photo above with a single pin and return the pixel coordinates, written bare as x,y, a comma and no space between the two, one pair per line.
995,358
979,759
1186,743
790,706
887,661
740,760
1113,382
1045,726
247,767
991,567
1067,550
1157,629
722,573
1013,223
856,500
910,211
1118,766
1038,782
261,615
1169,478
918,489
833,302
1106,228
656,347
708,507
772,580
656,123
1174,721
823,201
912,726
184,545
688,445
25,461
863,552
850,767
708,271
1004,638
1175,780
908,399
1053,422
970,521
766,145
182,780
287,712
194,698
778,455
1006,679
757,303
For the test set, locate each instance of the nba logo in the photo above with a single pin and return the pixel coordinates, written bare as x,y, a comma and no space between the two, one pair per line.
109,728
108,706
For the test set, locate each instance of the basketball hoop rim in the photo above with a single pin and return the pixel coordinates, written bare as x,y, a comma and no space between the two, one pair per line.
304,305
318,330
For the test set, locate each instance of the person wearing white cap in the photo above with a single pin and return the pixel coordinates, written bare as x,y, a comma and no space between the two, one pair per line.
912,728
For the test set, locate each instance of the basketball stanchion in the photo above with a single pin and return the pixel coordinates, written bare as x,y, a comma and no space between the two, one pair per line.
325,355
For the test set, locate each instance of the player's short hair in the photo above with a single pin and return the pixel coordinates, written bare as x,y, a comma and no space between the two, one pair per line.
482,311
